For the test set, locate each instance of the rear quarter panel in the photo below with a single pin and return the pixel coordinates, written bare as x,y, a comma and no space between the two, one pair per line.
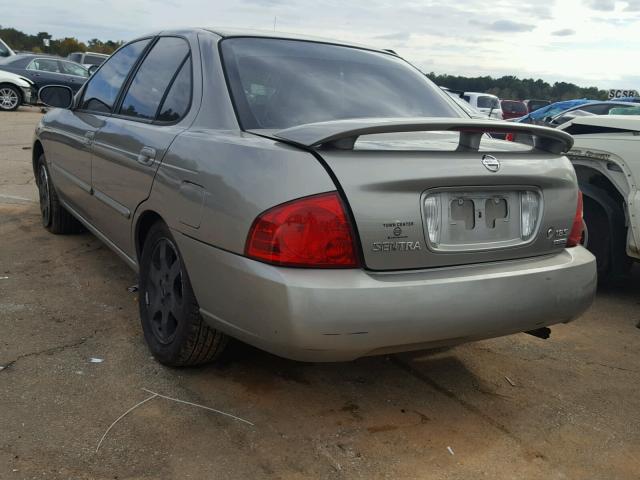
212,184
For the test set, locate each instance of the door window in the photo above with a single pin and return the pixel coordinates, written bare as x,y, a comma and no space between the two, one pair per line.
102,90
178,99
154,77
74,69
44,65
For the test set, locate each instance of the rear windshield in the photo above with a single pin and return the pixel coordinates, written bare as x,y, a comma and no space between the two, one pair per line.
485,101
514,107
94,60
283,83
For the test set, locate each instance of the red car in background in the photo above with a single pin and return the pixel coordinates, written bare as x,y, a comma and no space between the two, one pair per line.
513,109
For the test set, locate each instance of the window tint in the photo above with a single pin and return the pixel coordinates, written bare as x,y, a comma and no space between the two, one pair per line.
74,69
283,83
103,88
152,79
44,65
178,99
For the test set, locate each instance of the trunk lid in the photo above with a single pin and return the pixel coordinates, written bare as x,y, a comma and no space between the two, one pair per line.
450,196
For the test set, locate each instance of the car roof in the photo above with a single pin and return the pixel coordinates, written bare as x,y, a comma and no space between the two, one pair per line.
246,32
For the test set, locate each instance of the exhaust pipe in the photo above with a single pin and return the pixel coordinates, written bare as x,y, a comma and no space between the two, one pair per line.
543,333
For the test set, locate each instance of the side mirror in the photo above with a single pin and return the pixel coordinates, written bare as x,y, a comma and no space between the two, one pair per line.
92,69
56,96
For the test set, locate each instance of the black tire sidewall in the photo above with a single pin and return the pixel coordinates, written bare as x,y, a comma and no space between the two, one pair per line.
599,241
170,353
42,163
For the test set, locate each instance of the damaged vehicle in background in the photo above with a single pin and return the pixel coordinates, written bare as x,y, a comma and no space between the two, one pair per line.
607,162
586,110
15,91
318,200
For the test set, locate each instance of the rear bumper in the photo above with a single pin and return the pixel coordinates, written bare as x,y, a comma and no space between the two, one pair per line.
335,315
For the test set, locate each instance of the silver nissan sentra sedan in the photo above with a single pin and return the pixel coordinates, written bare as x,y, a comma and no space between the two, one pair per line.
319,200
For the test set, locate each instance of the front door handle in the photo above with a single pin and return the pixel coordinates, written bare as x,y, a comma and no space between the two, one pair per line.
88,137
147,155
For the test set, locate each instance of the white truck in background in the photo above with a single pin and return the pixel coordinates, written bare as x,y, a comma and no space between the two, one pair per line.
5,50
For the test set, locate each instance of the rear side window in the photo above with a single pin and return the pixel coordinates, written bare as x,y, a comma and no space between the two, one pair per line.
178,98
154,77
74,69
76,57
102,90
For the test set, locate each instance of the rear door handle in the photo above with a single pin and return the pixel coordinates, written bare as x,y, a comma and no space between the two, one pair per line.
147,155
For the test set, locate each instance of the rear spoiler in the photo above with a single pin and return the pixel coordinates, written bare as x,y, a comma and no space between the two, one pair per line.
342,134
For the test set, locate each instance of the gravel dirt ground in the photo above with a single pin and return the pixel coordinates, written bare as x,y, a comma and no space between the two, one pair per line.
513,407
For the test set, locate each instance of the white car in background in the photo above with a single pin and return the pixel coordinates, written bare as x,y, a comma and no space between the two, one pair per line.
484,102
606,157
15,90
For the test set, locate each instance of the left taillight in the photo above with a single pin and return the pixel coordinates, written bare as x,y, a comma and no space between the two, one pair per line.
310,232
575,236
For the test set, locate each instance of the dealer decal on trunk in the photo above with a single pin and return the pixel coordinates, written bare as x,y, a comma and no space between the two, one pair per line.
395,232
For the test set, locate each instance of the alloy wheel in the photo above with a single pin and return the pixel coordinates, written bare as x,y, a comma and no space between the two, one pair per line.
8,98
164,292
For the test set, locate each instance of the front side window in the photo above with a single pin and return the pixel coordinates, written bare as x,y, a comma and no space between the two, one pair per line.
74,69
282,83
102,89
4,51
44,65
153,78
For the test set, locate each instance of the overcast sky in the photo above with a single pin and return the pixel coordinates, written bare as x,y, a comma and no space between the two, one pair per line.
589,42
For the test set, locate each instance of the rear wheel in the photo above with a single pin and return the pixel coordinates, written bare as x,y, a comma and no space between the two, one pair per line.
54,217
612,260
10,98
173,327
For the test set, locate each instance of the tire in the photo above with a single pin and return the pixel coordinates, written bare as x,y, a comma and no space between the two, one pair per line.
173,327
10,98
612,260
54,216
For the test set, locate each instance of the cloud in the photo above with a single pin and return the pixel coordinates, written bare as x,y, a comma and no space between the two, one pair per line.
632,6
504,26
565,32
601,5
400,36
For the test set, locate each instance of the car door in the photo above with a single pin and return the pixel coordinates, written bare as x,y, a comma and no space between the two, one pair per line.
69,137
45,71
133,141
75,75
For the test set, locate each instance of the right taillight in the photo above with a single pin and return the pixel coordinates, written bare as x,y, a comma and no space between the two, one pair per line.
576,229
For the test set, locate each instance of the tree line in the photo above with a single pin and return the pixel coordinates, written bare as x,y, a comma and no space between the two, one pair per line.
514,88
21,41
